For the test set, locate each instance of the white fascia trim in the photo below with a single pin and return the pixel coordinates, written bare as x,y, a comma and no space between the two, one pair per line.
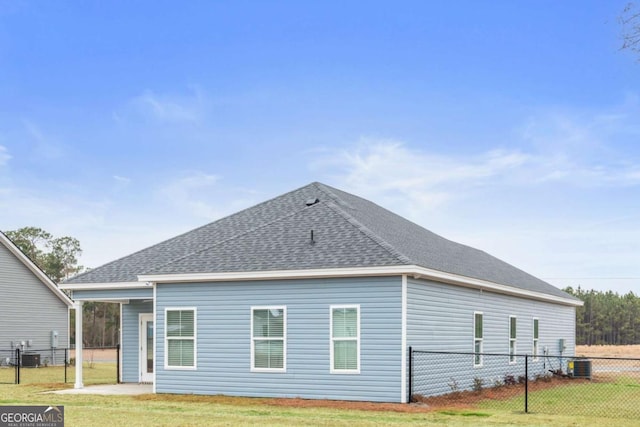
425,273
104,286
35,269
111,300
274,274
395,270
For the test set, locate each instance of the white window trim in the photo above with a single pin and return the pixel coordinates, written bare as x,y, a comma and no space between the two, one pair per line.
167,338
512,356
284,339
536,340
332,339
479,365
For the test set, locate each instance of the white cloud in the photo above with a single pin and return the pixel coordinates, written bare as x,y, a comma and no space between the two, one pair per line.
64,213
583,149
193,193
122,180
45,146
4,156
563,206
168,108
391,171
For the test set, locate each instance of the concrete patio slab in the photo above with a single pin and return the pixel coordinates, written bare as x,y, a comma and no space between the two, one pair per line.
109,389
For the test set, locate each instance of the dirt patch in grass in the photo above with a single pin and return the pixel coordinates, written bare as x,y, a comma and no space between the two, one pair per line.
454,401
287,402
468,399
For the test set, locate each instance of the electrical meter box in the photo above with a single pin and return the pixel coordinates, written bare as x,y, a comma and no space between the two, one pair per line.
54,339
561,345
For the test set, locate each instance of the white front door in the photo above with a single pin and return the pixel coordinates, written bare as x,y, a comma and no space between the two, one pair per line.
146,348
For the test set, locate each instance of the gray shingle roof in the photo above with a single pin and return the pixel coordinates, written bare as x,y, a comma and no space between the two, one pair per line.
348,231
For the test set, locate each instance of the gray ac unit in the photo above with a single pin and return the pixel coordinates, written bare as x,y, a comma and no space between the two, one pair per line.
582,368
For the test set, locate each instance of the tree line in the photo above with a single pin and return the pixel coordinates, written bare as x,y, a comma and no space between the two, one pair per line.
58,258
606,318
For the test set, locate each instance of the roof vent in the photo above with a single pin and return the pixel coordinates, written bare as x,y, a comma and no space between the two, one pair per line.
313,201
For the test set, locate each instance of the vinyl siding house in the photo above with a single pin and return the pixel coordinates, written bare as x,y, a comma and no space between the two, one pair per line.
32,307
317,293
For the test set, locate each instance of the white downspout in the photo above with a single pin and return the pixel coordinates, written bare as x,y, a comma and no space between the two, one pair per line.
78,307
403,361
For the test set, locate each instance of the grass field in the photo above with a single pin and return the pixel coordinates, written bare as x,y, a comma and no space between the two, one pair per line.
553,408
632,351
170,410
93,373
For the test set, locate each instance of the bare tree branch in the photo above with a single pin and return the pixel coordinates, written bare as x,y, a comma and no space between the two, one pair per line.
630,22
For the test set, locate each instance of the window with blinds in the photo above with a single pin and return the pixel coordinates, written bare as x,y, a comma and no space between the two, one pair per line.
268,336
180,327
345,339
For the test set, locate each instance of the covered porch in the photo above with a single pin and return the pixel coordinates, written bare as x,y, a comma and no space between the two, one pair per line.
136,334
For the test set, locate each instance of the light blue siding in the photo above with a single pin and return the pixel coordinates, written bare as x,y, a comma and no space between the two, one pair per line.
113,294
440,318
224,341
29,310
131,339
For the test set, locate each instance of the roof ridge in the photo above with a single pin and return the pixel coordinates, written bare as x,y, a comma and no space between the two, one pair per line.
365,230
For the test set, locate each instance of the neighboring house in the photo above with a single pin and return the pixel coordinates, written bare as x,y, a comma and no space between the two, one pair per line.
315,294
34,312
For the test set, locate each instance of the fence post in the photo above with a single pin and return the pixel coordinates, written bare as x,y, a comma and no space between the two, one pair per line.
17,379
526,383
410,375
118,363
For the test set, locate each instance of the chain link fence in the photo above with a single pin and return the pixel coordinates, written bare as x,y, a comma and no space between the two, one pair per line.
546,384
56,365
9,366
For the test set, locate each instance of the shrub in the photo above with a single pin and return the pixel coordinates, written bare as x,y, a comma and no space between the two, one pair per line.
509,380
453,385
478,384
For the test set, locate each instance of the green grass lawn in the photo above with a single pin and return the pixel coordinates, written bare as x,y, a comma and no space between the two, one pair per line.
617,400
554,407
93,373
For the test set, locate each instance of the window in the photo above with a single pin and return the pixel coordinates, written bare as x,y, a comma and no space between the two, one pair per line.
268,339
535,338
512,339
180,341
345,339
477,340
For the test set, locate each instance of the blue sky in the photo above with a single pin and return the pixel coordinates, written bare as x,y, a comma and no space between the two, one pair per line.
509,126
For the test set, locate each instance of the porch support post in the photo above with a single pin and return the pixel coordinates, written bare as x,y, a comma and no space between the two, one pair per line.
78,307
